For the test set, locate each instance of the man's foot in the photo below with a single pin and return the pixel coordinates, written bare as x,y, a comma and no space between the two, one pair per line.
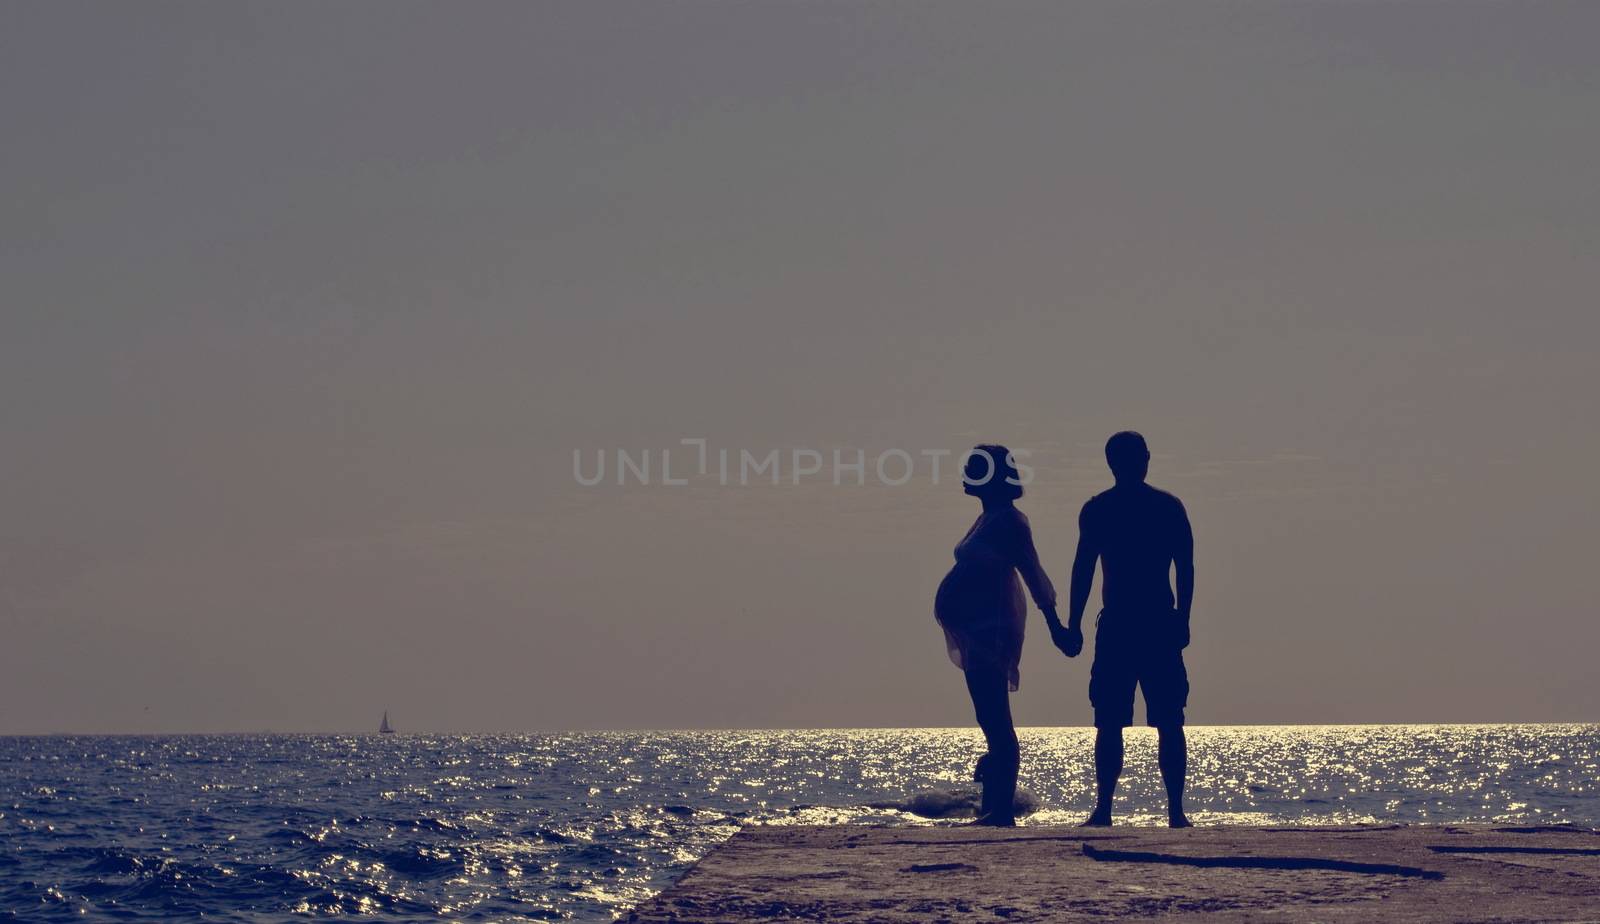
1100,819
995,820
1179,820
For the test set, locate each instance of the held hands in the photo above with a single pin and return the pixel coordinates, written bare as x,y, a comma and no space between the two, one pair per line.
1067,638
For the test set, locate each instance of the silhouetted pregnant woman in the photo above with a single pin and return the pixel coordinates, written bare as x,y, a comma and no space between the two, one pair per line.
982,611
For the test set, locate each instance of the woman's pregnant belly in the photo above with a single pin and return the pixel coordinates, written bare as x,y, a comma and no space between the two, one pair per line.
973,595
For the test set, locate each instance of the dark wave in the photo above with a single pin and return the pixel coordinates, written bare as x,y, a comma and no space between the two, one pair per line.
579,826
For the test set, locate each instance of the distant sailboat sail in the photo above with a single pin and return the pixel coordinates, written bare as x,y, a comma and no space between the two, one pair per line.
383,728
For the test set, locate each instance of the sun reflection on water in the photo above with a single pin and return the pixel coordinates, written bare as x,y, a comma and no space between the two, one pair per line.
554,826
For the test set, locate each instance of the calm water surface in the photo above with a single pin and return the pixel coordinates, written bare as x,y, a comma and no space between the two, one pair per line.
582,826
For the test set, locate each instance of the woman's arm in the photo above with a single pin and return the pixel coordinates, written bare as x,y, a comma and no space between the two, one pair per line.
1069,641
1027,561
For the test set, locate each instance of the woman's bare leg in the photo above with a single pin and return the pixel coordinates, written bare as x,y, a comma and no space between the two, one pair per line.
991,701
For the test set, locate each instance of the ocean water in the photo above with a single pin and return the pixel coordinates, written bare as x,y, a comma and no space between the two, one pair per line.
583,826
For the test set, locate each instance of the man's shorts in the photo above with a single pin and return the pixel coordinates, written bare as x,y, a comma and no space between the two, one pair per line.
1138,650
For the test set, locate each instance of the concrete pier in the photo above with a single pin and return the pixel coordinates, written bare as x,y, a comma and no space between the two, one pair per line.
931,874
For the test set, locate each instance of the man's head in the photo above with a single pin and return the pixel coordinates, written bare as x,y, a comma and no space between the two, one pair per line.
1128,457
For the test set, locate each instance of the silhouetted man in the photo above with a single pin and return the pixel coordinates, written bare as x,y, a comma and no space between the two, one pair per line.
1138,534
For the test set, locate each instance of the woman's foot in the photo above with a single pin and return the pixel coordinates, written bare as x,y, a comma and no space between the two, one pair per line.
1179,820
995,820
1100,819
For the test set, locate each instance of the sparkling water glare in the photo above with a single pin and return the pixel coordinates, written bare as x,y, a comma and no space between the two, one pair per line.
581,826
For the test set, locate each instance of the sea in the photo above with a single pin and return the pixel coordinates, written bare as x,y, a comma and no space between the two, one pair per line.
583,826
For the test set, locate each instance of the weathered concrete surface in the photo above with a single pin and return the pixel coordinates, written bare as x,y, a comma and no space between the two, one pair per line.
1412,873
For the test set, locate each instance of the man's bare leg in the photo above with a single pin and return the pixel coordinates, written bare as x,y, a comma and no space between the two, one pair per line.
1173,756
1107,769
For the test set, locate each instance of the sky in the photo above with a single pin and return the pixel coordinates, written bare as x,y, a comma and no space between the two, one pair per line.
305,309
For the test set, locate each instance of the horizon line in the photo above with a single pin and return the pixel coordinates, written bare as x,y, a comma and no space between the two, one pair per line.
752,729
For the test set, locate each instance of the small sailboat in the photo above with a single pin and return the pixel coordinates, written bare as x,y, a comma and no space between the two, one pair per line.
383,727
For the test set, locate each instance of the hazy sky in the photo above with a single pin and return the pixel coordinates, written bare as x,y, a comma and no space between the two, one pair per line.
306,307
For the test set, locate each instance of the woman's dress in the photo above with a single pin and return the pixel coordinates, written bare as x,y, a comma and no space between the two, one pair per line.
980,604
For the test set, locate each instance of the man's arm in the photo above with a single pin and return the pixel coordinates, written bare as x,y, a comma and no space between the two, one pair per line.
1082,570
1183,562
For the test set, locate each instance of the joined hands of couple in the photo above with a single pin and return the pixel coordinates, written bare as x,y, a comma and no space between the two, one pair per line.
1069,638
